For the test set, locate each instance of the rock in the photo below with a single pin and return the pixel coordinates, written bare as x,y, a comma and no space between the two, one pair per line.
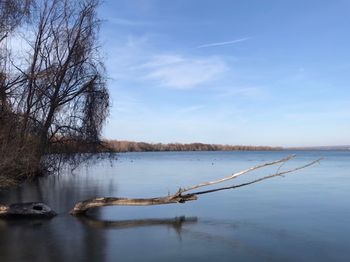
26,210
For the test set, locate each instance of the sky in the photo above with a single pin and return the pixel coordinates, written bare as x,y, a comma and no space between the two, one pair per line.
246,72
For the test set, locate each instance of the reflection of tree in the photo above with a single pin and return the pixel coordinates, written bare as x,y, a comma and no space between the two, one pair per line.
43,240
176,222
62,238
60,192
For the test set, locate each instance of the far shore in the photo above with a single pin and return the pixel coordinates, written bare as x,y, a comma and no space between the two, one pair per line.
122,146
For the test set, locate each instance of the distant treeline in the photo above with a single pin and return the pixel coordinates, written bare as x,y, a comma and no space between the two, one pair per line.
129,146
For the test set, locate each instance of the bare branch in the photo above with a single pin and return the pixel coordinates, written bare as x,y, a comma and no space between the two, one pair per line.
235,175
259,179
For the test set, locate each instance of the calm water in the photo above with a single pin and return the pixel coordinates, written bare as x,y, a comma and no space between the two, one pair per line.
302,217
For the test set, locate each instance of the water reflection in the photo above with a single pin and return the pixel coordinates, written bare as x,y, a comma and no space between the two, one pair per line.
63,238
63,191
176,223
300,218
228,233
8,223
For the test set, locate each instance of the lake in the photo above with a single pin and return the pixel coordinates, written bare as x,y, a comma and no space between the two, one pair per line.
304,216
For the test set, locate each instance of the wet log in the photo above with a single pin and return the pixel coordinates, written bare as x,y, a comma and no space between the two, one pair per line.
179,197
26,210
81,207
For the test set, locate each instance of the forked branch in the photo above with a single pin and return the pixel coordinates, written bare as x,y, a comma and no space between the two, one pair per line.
259,179
179,197
234,175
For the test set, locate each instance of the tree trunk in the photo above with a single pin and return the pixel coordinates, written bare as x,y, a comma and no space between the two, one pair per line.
81,207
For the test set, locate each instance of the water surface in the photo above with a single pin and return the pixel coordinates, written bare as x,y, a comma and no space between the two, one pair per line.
302,217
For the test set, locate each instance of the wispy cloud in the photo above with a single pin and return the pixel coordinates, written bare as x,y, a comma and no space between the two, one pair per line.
256,93
181,72
190,109
128,22
136,60
126,102
231,42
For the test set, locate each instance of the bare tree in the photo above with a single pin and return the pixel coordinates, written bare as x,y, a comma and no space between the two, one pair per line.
12,14
58,91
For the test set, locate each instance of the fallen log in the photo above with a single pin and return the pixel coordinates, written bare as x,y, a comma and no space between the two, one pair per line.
83,206
179,197
26,210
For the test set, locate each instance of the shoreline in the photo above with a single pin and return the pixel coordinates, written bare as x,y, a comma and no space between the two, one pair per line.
123,146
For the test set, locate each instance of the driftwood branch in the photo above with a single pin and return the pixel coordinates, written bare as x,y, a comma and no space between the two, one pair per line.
234,175
259,179
81,207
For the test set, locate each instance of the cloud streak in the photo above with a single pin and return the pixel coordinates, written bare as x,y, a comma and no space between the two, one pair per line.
136,61
181,72
128,22
231,42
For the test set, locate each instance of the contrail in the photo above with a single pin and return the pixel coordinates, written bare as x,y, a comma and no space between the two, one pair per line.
225,43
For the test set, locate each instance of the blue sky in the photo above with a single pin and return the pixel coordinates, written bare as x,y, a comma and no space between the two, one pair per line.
230,72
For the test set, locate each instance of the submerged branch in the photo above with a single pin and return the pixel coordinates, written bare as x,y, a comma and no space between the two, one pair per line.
82,207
